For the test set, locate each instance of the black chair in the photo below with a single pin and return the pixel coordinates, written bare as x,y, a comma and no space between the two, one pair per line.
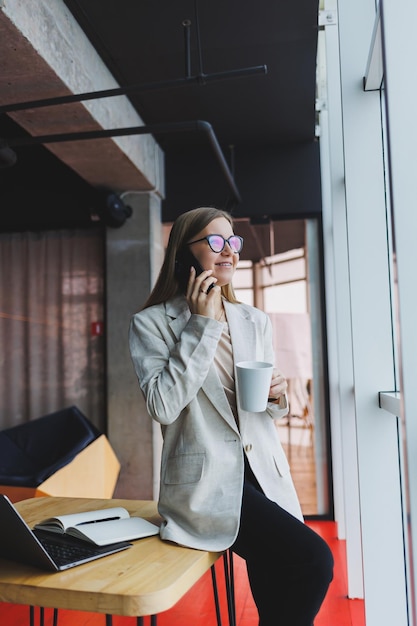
32,452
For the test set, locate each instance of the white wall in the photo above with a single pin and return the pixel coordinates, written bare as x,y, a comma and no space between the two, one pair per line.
400,43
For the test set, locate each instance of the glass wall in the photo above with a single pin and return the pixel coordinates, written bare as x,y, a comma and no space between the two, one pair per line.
287,286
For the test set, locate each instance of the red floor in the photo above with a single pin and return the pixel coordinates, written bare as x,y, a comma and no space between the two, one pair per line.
197,606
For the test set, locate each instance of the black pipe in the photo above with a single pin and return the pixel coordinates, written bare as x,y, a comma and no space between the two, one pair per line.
151,129
120,91
187,47
208,129
200,54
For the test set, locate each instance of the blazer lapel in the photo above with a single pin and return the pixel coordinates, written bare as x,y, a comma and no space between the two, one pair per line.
242,333
213,389
243,336
178,310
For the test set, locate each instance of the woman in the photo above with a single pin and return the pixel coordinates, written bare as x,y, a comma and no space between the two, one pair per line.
225,481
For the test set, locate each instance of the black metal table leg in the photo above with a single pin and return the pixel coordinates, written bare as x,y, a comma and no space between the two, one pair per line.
41,616
230,589
230,586
140,620
216,595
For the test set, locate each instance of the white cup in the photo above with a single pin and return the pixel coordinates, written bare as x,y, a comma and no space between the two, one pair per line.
253,383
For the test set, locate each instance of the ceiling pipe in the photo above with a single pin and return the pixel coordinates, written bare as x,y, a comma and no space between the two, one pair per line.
200,79
152,129
187,47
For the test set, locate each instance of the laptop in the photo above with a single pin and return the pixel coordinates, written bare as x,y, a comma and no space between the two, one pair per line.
45,550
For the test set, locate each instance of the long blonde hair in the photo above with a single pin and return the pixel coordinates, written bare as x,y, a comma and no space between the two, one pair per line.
185,228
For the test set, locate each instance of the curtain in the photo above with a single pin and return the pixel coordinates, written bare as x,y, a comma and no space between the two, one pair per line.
51,323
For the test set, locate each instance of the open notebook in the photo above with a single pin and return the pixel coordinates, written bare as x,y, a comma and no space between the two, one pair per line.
43,549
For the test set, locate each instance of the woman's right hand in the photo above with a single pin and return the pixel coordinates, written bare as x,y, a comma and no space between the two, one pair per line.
199,301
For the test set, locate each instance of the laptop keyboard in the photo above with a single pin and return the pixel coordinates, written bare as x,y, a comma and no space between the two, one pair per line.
67,552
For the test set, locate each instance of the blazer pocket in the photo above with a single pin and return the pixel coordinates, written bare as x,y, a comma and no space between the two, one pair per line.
281,463
184,469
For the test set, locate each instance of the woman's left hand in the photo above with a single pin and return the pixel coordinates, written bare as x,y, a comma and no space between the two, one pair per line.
278,385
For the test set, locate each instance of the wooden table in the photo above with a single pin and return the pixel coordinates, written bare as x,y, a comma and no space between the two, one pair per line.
145,579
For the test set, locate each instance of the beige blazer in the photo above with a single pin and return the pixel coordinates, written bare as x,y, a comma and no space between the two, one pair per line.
202,467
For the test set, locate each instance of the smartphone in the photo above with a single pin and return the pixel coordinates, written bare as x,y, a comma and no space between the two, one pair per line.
185,259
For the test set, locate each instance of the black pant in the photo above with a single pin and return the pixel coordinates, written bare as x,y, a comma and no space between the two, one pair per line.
289,566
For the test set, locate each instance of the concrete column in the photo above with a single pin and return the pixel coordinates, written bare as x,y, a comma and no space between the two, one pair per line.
134,255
